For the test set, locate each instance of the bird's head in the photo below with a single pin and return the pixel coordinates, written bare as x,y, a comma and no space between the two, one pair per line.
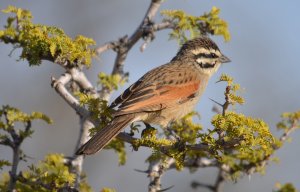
203,53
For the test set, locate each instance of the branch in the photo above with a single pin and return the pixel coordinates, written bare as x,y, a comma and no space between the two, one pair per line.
7,142
150,14
59,86
156,170
124,45
150,28
48,57
107,46
164,149
13,171
163,25
15,144
219,184
79,77
286,134
149,31
251,168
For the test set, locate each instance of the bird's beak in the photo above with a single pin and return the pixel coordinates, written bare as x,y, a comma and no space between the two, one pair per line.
224,59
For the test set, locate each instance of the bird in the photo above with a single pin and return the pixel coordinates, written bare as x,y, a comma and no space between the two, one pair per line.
164,94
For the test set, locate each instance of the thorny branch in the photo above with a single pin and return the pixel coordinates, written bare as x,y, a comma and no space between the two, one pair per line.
155,172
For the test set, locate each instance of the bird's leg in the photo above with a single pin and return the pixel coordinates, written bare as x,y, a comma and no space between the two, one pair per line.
149,131
147,125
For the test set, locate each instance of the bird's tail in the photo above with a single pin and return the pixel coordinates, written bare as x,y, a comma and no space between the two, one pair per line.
105,135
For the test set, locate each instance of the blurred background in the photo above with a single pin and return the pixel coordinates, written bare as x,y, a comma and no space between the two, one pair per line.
264,50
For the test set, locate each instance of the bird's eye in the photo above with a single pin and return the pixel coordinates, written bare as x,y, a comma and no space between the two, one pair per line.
213,55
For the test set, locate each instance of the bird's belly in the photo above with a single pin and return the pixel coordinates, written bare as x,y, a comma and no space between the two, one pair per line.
165,116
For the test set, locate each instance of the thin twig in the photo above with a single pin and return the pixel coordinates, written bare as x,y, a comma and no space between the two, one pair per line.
105,47
150,29
286,134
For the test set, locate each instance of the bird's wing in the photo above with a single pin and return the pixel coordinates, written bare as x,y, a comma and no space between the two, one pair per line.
156,92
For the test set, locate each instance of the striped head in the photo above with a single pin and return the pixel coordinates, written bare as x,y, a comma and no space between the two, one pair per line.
203,53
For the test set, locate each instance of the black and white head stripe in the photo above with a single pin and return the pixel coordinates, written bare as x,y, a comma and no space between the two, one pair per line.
206,60
200,44
206,55
203,50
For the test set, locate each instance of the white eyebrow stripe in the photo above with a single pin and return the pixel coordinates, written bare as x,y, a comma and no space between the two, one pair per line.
200,50
206,51
204,60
